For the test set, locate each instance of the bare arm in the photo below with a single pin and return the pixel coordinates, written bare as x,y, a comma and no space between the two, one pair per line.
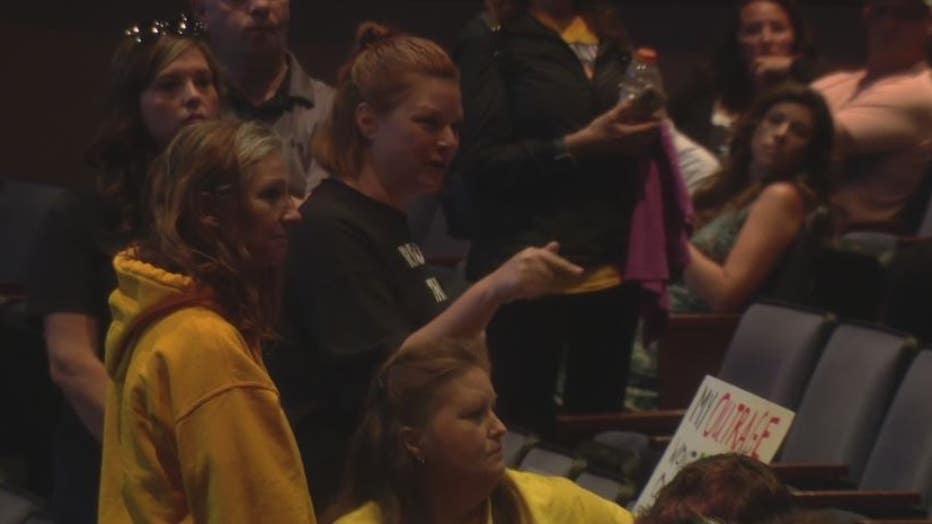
775,219
531,273
72,340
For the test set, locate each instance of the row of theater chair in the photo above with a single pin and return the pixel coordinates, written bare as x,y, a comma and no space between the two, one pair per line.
862,398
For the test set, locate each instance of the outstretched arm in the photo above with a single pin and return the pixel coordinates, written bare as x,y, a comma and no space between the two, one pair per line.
529,274
775,218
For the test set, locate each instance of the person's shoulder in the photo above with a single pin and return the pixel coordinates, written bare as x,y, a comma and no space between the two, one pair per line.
559,500
368,513
784,196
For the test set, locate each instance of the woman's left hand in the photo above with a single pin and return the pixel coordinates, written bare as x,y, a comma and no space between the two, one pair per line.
771,69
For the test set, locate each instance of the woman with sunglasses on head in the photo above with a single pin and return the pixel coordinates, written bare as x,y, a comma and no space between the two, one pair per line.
429,450
194,431
162,77
358,285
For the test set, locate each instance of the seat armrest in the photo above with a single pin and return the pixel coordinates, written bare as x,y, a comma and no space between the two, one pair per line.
884,504
572,428
806,474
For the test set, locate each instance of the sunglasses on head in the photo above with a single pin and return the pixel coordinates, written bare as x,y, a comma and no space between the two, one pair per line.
151,30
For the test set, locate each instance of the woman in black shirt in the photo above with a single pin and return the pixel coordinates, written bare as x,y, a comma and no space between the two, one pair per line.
357,284
548,153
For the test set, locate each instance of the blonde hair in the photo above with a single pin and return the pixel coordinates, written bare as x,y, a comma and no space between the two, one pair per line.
405,392
380,72
204,172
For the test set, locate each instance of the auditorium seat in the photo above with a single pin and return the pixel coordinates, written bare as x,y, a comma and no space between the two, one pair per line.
849,392
547,460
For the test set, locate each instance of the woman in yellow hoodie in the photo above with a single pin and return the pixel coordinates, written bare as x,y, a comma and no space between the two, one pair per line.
193,430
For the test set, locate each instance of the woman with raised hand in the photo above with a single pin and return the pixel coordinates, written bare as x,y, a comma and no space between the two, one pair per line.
162,78
767,43
357,284
194,431
550,153
429,450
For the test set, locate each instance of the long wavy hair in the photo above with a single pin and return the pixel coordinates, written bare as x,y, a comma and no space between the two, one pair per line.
380,72
731,488
405,393
600,15
203,173
730,70
732,188
123,149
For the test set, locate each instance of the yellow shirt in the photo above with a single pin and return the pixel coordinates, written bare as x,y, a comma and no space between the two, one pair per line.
550,500
193,428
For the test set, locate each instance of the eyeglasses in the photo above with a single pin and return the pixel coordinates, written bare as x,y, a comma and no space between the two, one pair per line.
152,30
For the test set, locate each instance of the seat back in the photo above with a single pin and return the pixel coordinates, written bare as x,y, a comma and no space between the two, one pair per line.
515,445
902,457
774,351
603,486
546,461
23,206
847,396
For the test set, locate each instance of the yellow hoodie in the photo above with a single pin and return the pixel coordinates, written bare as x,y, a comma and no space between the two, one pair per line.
549,500
193,430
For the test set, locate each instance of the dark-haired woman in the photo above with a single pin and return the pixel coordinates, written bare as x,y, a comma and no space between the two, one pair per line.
161,79
194,431
358,286
767,42
777,172
429,450
549,154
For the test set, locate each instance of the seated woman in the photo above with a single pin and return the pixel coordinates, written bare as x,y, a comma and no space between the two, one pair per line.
162,77
767,42
721,488
430,450
357,284
749,215
193,428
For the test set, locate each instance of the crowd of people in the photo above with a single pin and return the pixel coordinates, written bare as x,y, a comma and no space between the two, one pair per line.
241,321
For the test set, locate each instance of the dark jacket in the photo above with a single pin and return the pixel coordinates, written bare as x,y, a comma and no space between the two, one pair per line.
523,90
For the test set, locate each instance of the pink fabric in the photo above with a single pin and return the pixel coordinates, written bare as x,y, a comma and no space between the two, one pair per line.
658,245
889,120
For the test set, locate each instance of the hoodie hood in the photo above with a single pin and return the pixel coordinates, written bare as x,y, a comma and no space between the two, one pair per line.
140,288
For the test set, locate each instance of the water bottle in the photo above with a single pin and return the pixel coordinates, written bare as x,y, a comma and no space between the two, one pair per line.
643,85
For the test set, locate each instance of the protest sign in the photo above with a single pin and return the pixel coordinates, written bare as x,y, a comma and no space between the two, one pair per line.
721,419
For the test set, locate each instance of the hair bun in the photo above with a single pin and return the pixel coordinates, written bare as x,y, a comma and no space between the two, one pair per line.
370,33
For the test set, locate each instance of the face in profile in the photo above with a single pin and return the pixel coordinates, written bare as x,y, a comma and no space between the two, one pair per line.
250,27
268,211
464,437
765,30
182,93
781,139
413,144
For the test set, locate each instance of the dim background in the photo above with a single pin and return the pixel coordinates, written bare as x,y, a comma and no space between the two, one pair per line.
55,56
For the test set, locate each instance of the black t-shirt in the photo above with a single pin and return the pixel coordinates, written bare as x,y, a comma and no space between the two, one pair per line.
357,286
71,272
71,269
